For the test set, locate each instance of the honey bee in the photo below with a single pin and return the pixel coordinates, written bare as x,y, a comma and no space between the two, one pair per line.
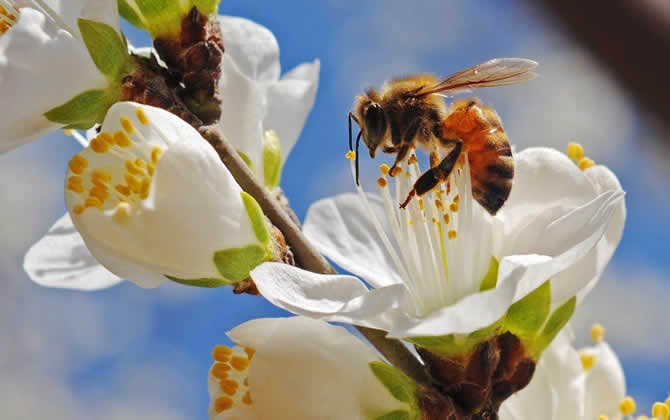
411,110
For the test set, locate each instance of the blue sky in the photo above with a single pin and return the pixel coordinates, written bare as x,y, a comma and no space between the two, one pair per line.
130,353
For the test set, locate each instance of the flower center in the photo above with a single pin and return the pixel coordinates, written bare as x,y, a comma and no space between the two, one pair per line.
115,171
8,15
230,373
441,242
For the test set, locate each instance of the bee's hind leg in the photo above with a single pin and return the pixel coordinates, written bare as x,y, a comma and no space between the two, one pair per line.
433,176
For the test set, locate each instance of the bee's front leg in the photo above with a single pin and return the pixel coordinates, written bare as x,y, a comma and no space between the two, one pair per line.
402,154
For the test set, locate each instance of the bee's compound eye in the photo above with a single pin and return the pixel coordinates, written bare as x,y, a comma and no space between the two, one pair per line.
375,120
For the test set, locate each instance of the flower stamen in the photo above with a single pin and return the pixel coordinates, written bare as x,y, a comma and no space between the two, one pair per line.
230,373
8,15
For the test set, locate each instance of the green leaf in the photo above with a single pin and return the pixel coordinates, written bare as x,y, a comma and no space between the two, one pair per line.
556,322
527,316
396,415
84,110
106,47
234,264
208,283
256,217
491,278
397,383
271,159
128,13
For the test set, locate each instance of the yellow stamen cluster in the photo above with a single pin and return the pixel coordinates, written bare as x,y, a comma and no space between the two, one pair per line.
8,15
230,370
588,360
627,406
660,411
576,152
117,186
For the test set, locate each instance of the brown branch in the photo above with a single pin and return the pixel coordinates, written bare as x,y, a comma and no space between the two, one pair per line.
631,38
305,255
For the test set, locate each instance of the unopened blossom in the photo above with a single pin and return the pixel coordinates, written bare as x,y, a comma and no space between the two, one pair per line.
303,369
44,62
574,384
263,114
151,199
443,259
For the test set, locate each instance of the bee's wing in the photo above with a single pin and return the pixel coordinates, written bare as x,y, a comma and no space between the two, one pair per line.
496,72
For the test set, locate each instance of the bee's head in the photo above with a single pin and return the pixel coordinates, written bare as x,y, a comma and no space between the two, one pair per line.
372,119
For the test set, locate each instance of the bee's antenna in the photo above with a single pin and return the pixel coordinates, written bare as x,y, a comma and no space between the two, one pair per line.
358,141
350,145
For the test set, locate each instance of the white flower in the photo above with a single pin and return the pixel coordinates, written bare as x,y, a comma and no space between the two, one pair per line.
435,264
300,369
151,199
44,62
571,384
256,100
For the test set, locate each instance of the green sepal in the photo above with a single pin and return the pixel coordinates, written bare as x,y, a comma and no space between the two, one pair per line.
396,415
128,13
256,217
490,279
208,283
234,264
107,48
456,344
401,387
246,160
161,18
554,324
271,159
526,317
85,109
206,7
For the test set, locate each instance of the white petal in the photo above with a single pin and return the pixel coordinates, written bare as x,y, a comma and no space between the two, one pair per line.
340,229
289,102
41,67
252,47
307,369
535,401
605,384
61,259
70,10
333,297
194,208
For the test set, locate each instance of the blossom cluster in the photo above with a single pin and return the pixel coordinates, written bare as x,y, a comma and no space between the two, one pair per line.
484,300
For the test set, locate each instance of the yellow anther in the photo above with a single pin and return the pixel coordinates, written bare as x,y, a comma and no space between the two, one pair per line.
384,168
122,212
222,404
246,381
78,164
229,386
451,234
446,218
99,192
100,178
597,333
134,184
140,163
585,163
99,146
106,137
438,204
145,188
127,125
156,154
434,221
247,398
141,116
132,168
667,401
627,406
122,189
75,184
603,417
395,170
457,198
412,159
420,201
410,222
78,209
381,181
250,351
641,418
220,370
351,155
588,360
453,207
660,410
239,363
121,139
151,168
575,151
68,132
221,353
93,202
